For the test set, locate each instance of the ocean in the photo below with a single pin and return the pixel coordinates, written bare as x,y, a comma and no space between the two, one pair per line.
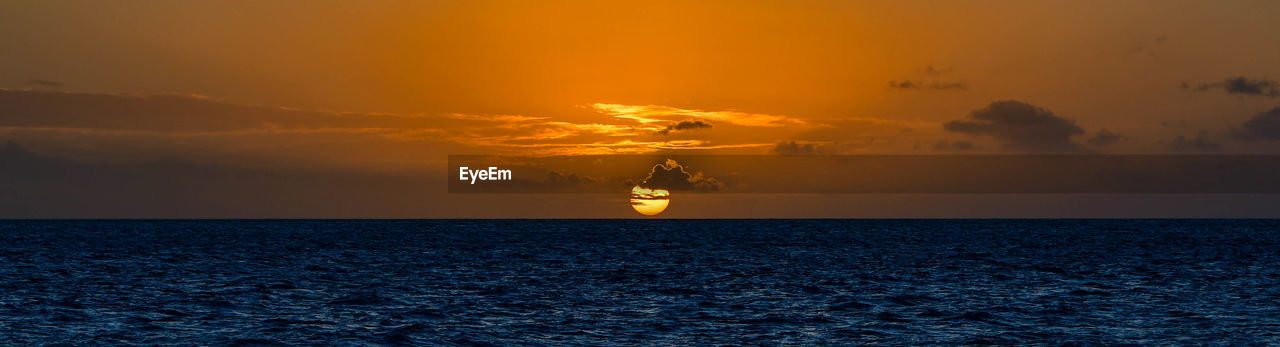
650,282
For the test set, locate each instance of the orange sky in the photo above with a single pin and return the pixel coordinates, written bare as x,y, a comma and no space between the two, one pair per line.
828,65
403,84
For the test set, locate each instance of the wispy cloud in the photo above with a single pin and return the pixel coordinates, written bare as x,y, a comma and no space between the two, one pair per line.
931,80
909,84
141,124
45,84
617,147
497,118
653,113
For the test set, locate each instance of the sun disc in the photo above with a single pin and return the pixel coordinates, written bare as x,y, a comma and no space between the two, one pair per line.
649,202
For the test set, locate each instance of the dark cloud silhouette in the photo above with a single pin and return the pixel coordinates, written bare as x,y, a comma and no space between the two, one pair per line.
670,175
1021,126
45,84
796,148
1241,85
1200,143
1103,138
1265,126
927,85
685,125
953,146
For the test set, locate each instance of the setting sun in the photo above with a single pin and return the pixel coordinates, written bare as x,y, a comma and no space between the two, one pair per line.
649,202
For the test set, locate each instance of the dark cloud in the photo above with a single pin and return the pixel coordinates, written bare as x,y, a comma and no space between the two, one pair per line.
796,148
1021,126
685,125
1104,138
929,85
1265,125
953,146
670,175
45,84
1200,143
1242,86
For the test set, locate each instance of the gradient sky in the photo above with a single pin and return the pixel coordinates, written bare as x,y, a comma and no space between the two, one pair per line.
396,86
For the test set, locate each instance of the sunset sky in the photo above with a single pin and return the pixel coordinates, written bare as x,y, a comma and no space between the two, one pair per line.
394,87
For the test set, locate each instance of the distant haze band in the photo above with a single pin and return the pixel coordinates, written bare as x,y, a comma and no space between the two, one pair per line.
946,174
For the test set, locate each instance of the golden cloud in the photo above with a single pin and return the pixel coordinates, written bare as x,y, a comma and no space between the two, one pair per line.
654,113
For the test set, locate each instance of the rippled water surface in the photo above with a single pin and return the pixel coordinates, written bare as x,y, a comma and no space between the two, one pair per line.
639,281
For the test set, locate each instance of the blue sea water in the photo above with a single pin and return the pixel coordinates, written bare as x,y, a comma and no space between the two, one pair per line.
652,282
